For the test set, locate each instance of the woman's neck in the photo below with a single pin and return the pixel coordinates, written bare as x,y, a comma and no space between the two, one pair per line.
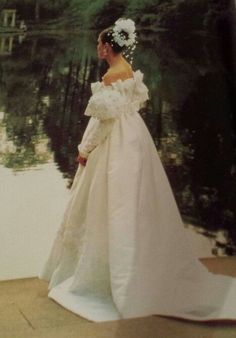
115,59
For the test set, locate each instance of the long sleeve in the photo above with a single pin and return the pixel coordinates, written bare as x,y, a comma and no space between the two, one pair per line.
106,105
95,133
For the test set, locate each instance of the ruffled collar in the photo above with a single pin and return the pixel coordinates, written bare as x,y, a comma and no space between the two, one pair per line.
137,78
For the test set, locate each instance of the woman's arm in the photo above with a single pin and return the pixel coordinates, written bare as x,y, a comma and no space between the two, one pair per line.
96,132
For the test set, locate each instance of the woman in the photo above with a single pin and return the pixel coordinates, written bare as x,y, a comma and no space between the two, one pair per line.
121,250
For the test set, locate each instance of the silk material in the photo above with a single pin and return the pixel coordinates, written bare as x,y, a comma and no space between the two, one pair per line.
121,250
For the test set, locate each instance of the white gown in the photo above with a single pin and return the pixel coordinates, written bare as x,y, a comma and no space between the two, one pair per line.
121,250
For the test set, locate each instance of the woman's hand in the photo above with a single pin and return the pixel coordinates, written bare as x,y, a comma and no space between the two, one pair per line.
81,160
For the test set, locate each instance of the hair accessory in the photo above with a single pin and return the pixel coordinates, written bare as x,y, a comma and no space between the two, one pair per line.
124,35
127,26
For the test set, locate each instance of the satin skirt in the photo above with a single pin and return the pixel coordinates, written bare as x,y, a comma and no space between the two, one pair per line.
121,250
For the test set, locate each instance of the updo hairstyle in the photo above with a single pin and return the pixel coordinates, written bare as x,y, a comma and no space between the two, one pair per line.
106,36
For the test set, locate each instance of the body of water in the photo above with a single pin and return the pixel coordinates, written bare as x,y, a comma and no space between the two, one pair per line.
44,88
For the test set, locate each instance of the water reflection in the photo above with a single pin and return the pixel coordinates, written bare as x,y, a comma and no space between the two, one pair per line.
7,41
45,85
32,203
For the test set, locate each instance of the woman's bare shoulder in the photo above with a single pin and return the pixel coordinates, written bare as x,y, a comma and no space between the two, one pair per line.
115,74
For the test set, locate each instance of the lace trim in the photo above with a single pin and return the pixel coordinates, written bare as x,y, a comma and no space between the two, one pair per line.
109,102
105,104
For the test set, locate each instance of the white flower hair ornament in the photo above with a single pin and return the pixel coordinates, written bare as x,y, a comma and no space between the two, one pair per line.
128,27
124,35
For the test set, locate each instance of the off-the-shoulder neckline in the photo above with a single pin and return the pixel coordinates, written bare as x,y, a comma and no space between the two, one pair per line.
130,79
118,80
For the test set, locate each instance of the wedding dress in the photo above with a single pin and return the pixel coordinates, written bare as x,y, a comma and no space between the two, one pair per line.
121,250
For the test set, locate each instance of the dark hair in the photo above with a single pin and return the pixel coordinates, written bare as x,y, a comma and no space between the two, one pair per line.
106,36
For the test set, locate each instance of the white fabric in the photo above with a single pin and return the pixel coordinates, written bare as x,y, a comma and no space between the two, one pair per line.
121,250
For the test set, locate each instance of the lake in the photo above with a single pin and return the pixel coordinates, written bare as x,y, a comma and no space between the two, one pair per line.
44,88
